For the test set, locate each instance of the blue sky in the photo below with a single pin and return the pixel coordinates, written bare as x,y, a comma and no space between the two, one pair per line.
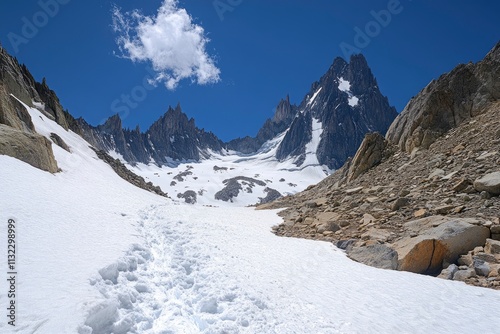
250,54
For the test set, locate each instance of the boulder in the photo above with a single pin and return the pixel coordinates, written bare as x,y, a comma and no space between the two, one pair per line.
461,185
400,203
31,148
481,267
328,227
489,183
449,272
379,256
492,246
462,275
439,240
369,154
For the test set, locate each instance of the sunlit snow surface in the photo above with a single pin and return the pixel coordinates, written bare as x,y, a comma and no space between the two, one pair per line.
314,96
179,268
207,177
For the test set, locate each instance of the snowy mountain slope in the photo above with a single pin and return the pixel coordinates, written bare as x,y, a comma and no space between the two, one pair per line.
348,103
69,224
206,177
97,255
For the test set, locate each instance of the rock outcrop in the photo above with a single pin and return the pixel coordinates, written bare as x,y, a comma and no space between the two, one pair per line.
17,84
31,148
128,175
370,153
447,102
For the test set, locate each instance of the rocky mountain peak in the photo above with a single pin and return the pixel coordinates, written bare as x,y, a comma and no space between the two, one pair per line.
345,104
112,125
283,111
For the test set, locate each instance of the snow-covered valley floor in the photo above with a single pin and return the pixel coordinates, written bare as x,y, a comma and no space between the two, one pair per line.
98,255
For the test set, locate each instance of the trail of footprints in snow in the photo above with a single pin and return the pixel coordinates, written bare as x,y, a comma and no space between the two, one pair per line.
170,286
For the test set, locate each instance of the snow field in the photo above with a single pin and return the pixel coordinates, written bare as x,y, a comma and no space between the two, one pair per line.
284,176
98,255
220,270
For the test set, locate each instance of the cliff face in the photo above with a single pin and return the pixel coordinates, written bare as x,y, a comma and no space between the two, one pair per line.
18,137
172,137
447,102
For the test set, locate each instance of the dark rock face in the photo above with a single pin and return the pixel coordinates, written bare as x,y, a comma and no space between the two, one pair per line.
176,136
233,187
348,103
295,141
271,195
189,196
447,102
127,175
172,136
52,104
283,117
59,141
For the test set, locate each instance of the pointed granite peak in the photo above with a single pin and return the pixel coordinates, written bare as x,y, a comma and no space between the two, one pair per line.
112,124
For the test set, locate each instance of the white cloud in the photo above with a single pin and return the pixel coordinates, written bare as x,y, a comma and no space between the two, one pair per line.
170,40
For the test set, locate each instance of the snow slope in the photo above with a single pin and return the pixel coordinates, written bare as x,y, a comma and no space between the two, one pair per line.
220,270
207,176
97,255
68,225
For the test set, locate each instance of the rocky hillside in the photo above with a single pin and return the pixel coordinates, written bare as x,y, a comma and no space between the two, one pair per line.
447,102
432,209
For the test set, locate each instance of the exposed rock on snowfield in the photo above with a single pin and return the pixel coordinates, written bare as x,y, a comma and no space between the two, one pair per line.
271,195
394,198
189,196
235,185
28,147
127,175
